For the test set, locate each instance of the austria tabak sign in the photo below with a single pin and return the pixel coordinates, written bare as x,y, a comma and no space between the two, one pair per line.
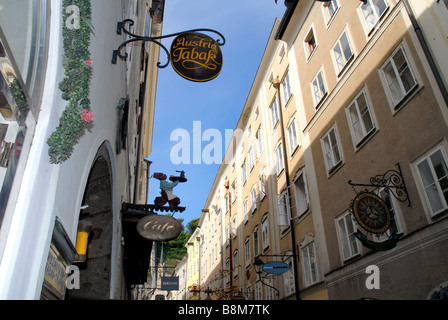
196,56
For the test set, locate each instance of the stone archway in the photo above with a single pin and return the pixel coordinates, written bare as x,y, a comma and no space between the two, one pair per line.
95,273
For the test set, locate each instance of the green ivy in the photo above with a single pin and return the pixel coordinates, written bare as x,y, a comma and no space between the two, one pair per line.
75,86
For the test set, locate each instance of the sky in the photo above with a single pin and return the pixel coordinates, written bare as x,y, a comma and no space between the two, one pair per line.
182,104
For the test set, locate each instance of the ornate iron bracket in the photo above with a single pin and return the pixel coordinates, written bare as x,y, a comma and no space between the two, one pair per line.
121,27
392,181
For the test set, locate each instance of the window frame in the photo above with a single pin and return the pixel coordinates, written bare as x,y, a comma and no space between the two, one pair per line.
343,236
294,143
318,99
406,94
436,181
309,48
341,68
368,27
336,164
359,141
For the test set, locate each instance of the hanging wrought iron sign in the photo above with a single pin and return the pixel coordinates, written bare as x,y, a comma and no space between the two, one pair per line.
372,213
196,57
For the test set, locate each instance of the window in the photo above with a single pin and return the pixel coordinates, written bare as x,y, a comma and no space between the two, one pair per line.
359,118
235,264
342,52
310,43
256,242
251,158
265,233
259,137
253,197
399,77
279,159
233,191
347,240
330,9
281,54
286,88
262,183
331,151
283,209
293,137
318,88
274,112
433,172
288,279
372,12
309,260
244,172
247,252
301,193
246,210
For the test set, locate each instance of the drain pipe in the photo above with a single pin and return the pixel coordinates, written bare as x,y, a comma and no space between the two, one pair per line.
427,52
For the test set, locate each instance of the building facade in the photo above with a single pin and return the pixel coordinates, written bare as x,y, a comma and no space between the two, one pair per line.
57,72
338,166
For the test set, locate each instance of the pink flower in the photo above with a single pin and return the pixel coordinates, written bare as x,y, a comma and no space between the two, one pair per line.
87,116
89,62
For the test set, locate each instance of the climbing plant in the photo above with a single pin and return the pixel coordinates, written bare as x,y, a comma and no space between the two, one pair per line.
75,86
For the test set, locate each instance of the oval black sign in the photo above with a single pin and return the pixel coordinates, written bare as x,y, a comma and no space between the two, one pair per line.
196,56
159,228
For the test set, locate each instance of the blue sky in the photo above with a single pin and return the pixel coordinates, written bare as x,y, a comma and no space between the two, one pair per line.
217,104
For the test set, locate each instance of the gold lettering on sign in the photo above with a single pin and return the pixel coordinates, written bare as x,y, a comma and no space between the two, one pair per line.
195,53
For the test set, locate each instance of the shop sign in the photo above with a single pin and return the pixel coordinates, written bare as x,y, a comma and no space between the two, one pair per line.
196,56
159,228
170,283
275,267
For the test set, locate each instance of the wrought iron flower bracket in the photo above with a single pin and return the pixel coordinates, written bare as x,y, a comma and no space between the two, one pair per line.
121,27
392,181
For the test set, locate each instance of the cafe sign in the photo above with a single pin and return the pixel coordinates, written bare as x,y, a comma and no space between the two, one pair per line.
159,228
196,56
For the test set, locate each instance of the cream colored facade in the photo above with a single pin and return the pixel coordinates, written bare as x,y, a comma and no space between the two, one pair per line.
362,100
193,262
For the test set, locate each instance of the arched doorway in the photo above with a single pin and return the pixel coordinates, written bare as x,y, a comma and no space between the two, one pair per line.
95,273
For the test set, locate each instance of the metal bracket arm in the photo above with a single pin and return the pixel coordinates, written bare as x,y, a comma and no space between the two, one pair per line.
121,27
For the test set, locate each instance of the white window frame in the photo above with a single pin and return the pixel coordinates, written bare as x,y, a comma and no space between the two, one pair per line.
256,241
309,260
360,135
274,111
279,160
301,194
265,241
286,89
283,217
246,210
373,14
435,184
340,60
262,183
316,86
247,255
331,162
293,136
348,244
253,198
235,264
244,172
259,138
397,102
326,9
288,279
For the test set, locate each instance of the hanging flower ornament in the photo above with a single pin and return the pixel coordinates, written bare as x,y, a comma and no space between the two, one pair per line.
75,86
87,116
